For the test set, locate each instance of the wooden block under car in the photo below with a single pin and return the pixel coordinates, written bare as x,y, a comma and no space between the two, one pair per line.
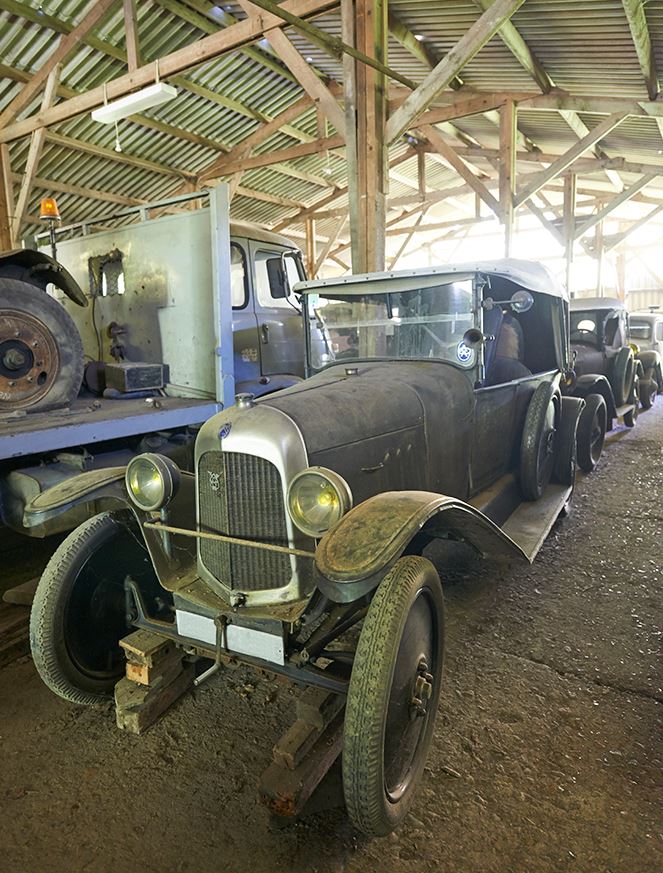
318,706
137,707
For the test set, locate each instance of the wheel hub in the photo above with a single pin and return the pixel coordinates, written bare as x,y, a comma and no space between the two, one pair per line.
29,359
423,689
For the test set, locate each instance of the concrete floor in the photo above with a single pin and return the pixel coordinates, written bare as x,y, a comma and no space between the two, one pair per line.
547,755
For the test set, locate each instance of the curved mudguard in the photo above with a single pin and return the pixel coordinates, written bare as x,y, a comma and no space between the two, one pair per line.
650,360
172,558
39,269
595,384
352,558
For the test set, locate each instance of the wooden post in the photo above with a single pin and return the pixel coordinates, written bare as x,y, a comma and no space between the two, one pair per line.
365,27
507,168
569,224
6,200
131,32
310,248
599,259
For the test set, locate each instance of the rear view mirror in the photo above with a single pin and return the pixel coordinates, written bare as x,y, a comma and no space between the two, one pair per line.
522,301
279,285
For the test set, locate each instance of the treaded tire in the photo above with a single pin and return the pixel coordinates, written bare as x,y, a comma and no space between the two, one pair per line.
365,735
23,297
51,610
537,448
648,389
623,373
591,432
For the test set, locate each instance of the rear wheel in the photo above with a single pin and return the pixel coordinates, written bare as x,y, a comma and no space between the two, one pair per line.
623,373
41,353
79,611
648,391
591,432
537,449
393,696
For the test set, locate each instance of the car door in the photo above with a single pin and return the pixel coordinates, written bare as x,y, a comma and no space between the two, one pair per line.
279,319
245,325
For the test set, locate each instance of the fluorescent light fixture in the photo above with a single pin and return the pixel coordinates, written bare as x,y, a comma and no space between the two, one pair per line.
146,98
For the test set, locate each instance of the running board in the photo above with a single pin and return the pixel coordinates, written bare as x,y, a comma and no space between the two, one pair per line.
530,524
623,410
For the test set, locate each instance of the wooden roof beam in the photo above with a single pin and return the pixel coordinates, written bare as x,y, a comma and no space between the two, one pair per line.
512,39
613,240
557,167
131,34
65,47
440,76
417,48
580,129
637,22
176,62
582,228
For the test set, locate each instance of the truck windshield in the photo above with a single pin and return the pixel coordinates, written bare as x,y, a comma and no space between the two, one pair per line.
421,323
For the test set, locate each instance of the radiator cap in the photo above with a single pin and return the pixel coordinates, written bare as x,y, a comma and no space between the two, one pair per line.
245,401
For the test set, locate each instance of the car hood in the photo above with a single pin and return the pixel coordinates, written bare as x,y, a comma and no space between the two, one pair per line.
338,406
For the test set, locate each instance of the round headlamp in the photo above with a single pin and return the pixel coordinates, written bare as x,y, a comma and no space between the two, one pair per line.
152,481
317,499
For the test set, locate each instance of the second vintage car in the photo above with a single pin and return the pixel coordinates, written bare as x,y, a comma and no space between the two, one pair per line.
433,409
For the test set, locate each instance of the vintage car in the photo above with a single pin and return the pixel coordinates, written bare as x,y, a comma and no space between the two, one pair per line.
605,372
432,410
646,333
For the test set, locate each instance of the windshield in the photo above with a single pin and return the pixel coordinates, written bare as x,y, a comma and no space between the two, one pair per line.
585,326
640,330
420,323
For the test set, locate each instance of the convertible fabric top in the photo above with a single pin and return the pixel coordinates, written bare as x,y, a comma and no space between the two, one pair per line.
530,275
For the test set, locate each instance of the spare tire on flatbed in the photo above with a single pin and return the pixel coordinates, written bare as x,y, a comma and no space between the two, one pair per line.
41,352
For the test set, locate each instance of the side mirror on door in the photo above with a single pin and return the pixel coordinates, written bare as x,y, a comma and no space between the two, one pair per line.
278,277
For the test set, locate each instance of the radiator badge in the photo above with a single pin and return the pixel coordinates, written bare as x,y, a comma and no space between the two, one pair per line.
214,480
225,430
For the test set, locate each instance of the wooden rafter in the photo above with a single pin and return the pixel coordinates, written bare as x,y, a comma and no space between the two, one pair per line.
6,201
440,77
458,164
565,160
637,22
131,34
612,241
582,228
66,45
34,154
172,64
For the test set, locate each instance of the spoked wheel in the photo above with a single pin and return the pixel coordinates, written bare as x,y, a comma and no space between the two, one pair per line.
393,696
537,450
591,432
41,354
79,613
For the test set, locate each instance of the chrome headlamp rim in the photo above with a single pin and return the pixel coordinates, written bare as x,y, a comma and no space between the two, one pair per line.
169,480
339,485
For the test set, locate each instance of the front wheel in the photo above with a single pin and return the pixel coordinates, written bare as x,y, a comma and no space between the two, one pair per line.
591,432
79,612
393,696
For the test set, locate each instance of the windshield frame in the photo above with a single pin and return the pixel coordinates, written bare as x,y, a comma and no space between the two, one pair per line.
311,322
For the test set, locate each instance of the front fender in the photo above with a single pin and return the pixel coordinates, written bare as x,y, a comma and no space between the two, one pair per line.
352,557
39,269
596,384
173,556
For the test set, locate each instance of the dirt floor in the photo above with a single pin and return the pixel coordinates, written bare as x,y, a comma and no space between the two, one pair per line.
547,755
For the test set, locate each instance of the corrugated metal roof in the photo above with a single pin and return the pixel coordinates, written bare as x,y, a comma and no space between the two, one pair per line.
585,47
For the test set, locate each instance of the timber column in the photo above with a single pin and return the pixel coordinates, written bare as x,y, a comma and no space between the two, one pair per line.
365,27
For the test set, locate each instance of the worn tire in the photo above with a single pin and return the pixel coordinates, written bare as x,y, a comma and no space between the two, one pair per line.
623,373
591,432
648,389
18,296
369,807
51,618
537,448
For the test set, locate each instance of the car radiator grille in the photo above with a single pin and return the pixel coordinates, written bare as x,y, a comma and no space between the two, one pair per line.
242,496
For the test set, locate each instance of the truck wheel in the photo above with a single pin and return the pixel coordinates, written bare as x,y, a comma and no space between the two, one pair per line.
79,611
623,372
41,353
393,696
648,391
537,449
591,432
